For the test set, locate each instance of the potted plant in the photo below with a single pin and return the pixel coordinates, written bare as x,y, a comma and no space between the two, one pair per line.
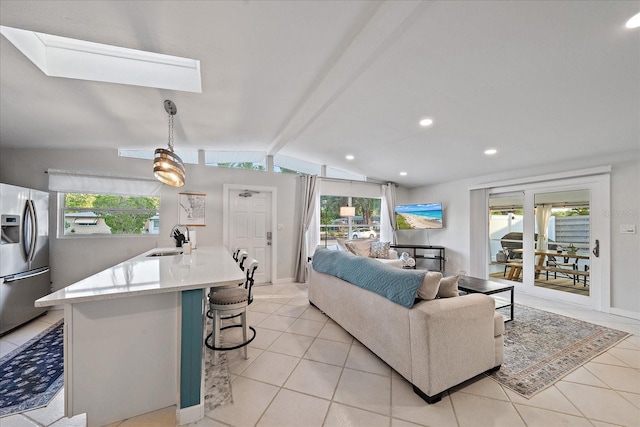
571,249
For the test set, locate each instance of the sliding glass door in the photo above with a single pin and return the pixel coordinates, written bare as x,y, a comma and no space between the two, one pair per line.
546,239
506,225
562,241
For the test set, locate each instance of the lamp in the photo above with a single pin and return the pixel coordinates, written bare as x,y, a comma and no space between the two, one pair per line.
167,165
347,211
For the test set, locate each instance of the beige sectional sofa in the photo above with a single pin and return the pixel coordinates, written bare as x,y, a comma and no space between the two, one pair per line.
435,344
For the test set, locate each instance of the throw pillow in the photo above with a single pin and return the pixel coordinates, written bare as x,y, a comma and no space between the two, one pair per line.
351,247
380,250
341,244
363,246
429,286
448,287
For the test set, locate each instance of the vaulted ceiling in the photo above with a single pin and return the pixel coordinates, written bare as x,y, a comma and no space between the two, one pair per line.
539,81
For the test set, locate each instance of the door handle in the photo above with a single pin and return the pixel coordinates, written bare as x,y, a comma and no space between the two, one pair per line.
596,250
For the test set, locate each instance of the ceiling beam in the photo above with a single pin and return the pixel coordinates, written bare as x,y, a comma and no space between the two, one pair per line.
390,21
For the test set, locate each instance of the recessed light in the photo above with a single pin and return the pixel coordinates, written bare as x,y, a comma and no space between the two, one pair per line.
403,174
349,157
426,122
634,22
490,151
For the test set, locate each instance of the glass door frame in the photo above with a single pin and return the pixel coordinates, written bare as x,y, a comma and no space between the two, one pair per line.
599,188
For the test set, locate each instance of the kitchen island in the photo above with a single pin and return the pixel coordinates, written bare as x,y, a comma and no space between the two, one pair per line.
134,334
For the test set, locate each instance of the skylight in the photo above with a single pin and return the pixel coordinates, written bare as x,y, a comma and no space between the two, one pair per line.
78,59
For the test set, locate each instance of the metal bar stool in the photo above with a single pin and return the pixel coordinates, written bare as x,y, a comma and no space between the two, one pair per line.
228,303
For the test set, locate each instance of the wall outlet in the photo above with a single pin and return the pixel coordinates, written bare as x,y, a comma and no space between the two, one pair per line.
627,229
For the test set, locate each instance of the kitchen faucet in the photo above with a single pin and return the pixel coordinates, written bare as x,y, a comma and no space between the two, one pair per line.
176,234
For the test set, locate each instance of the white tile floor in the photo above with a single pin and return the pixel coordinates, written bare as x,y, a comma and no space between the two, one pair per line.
304,370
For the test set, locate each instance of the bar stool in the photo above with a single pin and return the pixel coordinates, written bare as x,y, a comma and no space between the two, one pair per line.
235,255
228,303
242,257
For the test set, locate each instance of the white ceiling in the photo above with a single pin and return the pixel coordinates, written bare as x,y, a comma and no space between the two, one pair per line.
540,81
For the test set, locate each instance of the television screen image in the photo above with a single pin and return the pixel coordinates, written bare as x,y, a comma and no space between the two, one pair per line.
419,216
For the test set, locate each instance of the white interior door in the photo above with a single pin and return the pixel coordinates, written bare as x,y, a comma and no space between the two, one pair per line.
250,228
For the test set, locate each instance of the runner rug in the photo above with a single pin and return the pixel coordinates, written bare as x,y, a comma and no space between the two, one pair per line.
31,375
217,379
541,347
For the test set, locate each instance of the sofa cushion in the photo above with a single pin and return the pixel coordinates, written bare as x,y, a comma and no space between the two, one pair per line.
397,285
379,250
448,287
429,286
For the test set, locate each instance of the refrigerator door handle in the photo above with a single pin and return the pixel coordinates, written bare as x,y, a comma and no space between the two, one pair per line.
20,276
34,233
29,231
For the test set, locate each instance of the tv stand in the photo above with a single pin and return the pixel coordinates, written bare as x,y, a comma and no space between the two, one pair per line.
425,252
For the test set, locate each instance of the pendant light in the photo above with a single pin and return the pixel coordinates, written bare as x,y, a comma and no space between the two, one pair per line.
167,165
347,211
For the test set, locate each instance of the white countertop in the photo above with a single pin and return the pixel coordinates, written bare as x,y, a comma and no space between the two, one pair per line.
143,275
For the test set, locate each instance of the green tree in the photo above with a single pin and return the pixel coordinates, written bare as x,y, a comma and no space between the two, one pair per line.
242,165
572,212
289,171
127,221
366,207
79,200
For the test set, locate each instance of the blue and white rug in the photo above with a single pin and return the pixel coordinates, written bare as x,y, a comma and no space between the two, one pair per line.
32,374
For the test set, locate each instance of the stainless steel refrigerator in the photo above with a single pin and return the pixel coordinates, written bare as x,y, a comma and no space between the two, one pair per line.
24,254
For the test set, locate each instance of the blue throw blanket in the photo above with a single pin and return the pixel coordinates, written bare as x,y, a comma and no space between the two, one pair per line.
395,284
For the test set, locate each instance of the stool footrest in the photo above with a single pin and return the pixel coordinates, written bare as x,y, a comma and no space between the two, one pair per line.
212,347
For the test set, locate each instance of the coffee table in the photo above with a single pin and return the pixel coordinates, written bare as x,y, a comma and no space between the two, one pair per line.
481,286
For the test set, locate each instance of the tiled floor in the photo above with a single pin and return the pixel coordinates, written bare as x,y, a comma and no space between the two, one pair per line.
304,370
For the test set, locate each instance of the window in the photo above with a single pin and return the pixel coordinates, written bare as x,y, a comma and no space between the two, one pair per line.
187,156
364,225
250,160
285,164
109,214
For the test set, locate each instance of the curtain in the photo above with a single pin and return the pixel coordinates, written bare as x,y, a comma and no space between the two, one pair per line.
479,235
313,231
307,208
543,215
387,214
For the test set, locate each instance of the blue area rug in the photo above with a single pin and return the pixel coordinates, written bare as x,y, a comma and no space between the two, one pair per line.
31,375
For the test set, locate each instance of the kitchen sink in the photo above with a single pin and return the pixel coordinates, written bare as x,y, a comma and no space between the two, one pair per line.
167,253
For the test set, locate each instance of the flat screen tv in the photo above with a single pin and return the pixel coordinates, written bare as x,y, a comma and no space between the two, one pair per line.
419,216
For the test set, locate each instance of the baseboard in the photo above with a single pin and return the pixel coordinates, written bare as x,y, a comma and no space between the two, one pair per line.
281,281
625,313
190,415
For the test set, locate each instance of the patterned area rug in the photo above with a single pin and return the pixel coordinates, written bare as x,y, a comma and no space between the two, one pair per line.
541,347
31,375
217,380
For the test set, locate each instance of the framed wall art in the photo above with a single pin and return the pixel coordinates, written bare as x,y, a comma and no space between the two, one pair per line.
191,209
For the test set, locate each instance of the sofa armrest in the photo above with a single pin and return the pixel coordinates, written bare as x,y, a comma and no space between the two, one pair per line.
452,340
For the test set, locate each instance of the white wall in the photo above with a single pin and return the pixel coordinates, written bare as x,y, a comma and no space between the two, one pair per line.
73,259
625,209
